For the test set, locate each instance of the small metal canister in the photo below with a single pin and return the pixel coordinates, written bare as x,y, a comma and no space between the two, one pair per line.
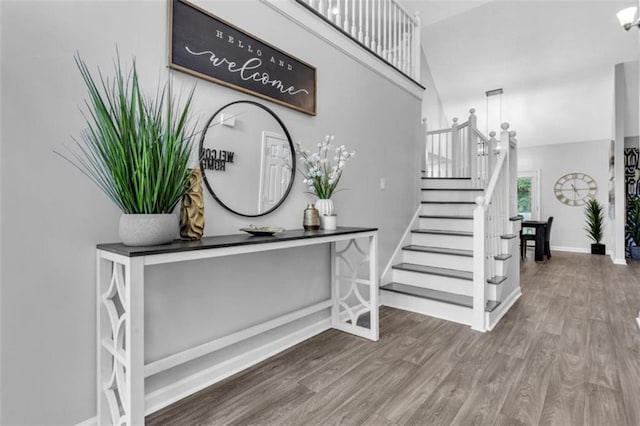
311,219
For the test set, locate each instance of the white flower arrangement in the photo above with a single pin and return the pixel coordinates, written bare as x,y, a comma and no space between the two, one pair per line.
323,168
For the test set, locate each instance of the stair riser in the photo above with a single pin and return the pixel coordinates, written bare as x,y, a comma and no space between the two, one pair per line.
432,308
445,195
446,224
434,282
446,183
439,260
448,209
445,241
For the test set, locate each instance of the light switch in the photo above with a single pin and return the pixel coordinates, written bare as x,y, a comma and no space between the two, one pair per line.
383,184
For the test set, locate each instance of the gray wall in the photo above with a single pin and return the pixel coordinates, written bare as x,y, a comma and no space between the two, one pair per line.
52,216
554,161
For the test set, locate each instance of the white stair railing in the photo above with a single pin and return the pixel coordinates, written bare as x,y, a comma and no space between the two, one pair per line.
382,26
491,222
460,151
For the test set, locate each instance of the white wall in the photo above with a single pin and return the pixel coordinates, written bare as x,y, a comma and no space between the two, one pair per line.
554,161
431,103
632,97
52,216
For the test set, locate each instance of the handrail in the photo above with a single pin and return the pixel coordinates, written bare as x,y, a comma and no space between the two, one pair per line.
479,134
488,193
400,244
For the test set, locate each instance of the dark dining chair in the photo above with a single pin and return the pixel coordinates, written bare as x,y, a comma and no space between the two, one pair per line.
524,238
547,237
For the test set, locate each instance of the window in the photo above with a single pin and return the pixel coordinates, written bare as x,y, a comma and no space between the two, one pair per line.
529,195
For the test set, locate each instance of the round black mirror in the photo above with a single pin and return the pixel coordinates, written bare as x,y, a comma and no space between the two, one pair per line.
247,158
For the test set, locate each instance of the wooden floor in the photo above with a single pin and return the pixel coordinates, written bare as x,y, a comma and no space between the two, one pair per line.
568,353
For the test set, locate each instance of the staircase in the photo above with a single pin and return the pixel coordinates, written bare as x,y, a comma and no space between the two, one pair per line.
459,259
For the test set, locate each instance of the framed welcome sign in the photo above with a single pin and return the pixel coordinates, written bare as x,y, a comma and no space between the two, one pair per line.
206,46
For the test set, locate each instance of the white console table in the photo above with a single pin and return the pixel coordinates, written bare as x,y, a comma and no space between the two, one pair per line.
120,305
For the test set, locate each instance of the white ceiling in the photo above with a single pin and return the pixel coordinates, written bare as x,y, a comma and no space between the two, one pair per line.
529,48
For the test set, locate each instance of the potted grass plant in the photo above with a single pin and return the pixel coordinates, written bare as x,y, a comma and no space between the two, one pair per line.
594,212
136,149
633,227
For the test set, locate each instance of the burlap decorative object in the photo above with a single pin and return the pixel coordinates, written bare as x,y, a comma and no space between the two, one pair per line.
192,209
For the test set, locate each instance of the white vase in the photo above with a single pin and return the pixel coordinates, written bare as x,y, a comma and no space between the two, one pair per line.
148,229
325,208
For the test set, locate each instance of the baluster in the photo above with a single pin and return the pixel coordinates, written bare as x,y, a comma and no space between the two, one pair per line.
404,43
353,18
320,8
387,29
374,42
328,10
337,15
345,25
360,11
379,28
366,23
310,2
454,147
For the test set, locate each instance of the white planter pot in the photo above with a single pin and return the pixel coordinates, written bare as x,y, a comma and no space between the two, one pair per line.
148,229
325,208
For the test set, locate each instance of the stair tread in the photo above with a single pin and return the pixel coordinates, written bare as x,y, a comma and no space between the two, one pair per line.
448,202
434,270
442,216
437,295
503,256
498,279
443,178
441,250
427,293
491,305
508,236
443,232
452,189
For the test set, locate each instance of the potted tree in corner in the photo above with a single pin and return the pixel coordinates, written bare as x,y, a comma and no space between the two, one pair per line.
633,227
594,213
136,149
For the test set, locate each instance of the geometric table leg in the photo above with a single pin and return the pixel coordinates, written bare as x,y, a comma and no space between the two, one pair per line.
120,296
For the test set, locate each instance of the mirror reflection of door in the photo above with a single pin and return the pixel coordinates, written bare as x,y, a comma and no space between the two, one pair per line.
529,194
274,173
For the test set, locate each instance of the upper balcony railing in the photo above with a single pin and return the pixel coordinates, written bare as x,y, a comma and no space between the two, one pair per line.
383,27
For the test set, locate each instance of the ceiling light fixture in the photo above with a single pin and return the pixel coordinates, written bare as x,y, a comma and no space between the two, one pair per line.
627,18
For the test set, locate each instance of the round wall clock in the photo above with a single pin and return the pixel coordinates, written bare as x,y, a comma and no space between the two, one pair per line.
575,189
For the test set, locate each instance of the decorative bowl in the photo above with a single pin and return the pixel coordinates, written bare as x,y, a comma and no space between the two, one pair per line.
262,230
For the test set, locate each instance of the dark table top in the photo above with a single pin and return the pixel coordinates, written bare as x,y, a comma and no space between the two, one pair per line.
533,223
226,241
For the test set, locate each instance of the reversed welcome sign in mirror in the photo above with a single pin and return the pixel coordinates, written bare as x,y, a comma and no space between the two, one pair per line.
247,158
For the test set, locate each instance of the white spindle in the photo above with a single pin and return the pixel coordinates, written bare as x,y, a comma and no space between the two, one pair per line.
345,25
374,21
379,28
360,13
353,18
366,24
337,17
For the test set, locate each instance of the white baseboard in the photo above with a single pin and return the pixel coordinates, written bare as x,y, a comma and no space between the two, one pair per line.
167,395
494,317
571,249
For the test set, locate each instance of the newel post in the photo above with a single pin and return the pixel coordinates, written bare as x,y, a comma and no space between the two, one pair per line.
455,149
505,147
513,178
472,148
479,273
